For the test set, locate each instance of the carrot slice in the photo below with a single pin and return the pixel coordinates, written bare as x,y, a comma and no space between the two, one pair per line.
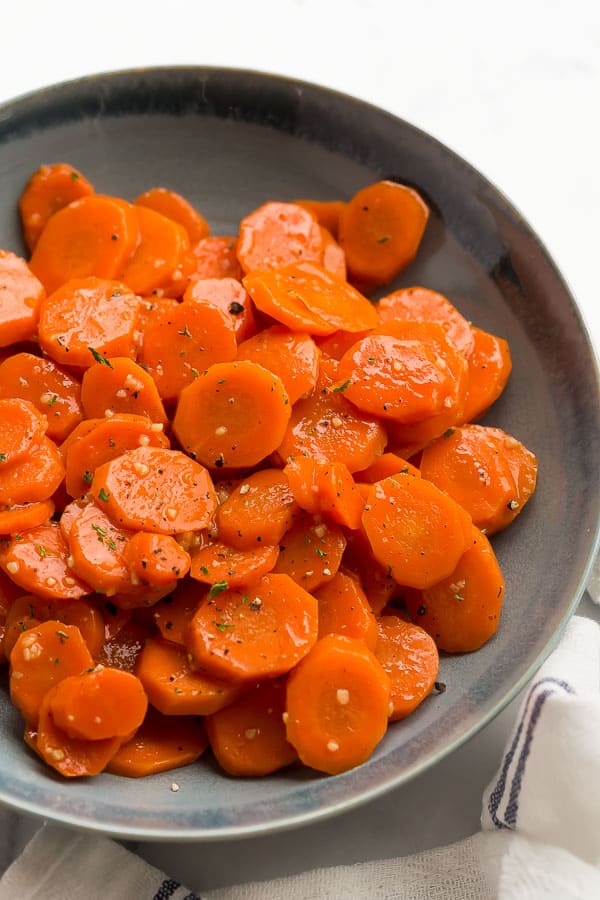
326,212
248,737
22,428
337,344
385,465
258,511
337,705
344,609
88,319
410,658
230,297
122,649
155,559
490,473
323,487
375,580
415,529
261,634
174,688
107,439
52,390
292,356
489,368
94,235
174,206
162,245
418,304
49,189
160,744
33,479
21,294
173,613
150,489
334,258
217,563
100,704
462,611
71,757
216,257
28,611
37,560
182,340
234,414
98,551
311,552
381,229
41,657
121,387
277,234
25,516
327,427
304,296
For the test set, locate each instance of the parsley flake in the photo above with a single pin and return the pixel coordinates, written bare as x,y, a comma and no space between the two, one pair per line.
341,387
99,358
103,495
217,588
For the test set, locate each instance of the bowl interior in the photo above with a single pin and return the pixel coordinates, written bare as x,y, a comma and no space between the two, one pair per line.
230,141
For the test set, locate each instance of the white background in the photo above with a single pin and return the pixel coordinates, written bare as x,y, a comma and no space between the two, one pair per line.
514,87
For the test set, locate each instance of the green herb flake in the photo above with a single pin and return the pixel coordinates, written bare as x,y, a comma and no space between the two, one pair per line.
3,457
186,332
101,532
42,551
88,477
74,176
341,387
217,588
52,400
449,432
222,626
320,552
204,570
384,239
111,544
371,359
195,372
103,495
99,358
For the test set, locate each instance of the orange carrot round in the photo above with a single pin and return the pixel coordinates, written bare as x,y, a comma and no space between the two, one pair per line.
159,744
230,297
155,558
344,609
100,704
291,355
49,189
37,560
277,234
490,365
121,387
311,552
258,511
158,254
21,294
418,304
174,206
218,563
216,257
410,658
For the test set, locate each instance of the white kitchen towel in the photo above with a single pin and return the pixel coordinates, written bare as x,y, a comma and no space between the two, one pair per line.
540,837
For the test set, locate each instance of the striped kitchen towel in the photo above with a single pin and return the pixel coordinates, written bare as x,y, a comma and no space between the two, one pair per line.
540,837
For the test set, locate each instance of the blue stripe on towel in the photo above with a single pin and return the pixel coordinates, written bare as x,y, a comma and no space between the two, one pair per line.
166,890
497,794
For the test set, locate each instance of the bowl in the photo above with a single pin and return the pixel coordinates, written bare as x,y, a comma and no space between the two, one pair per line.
230,140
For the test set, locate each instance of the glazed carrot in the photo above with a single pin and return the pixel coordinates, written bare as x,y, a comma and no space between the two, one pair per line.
324,487
385,465
106,440
410,658
19,617
380,230
94,235
489,368
25,516
291,355
34,478
49,189
71,757
155,559
462,611
234,414
37,560
121,387
311,552
337,705
88,319
41,657
216,257
231,297
338,343
183,340
122,649
259,634
174,206
172,614
54,392
344,609
258,511
490,473
140,597
405,380
375,580
20,297
248,737
418,304
334,258
415,529
158,254
27,611
327,427
304,296
114,619
9,592
160,744
326,212
23,427
277,234
100,704
151,489
80,431
218,563
97,550
173,688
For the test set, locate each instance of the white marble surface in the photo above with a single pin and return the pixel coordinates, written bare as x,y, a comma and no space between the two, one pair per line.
515,89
